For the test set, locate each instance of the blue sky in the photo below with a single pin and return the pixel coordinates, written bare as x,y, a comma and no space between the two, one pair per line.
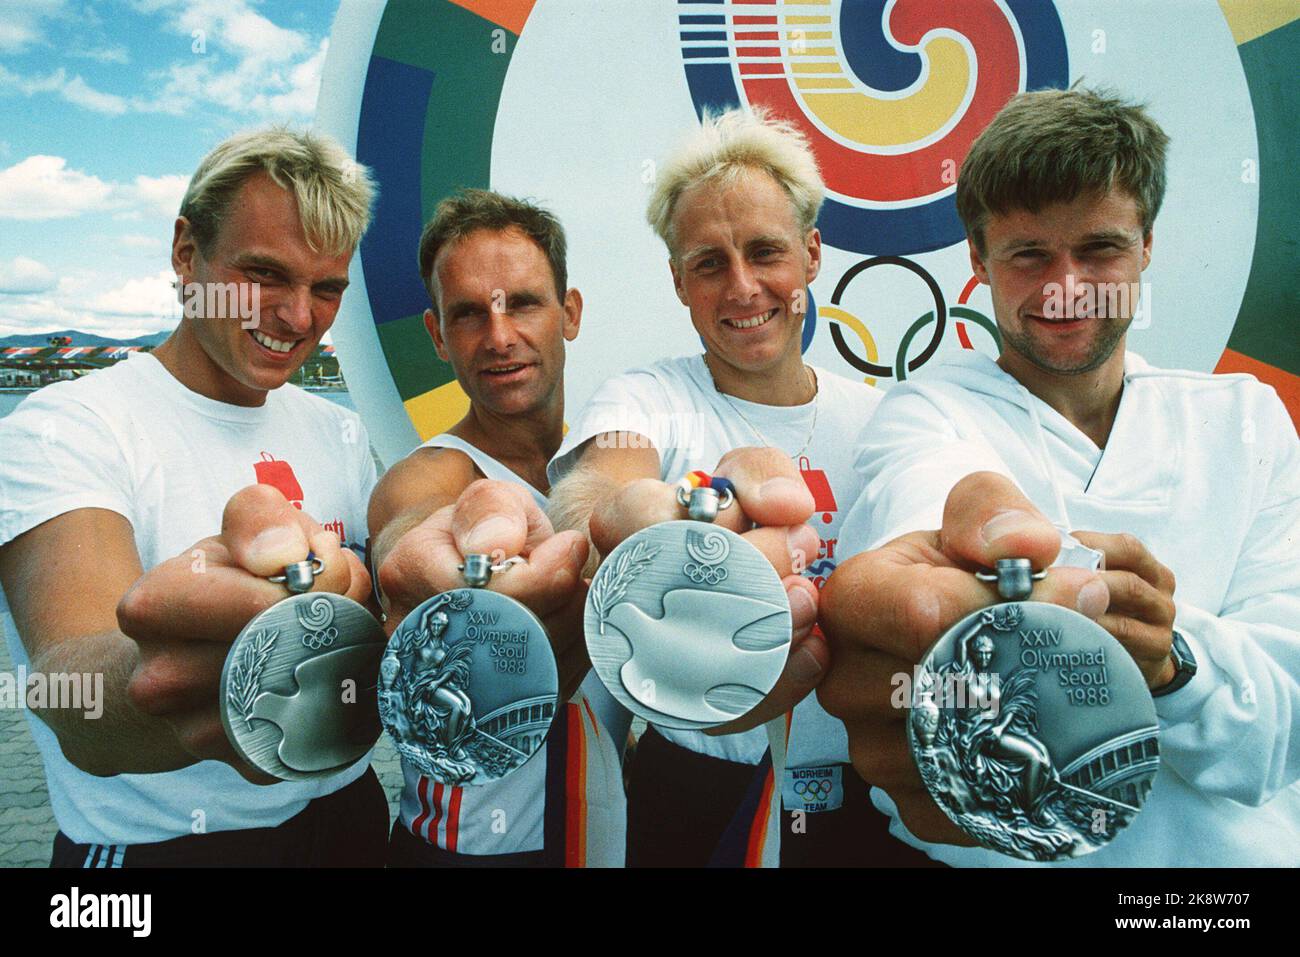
106,107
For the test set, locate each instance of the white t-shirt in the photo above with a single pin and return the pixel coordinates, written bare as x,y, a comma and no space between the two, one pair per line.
568,795
133,440
1205,471
675,405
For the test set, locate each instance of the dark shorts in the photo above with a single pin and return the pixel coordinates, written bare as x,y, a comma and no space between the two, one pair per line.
348,828
679,803
682,806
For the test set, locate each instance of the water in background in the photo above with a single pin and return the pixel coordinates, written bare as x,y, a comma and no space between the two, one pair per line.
9,401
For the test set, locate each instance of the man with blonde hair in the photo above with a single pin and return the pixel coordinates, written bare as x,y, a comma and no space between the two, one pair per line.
736,205
146,504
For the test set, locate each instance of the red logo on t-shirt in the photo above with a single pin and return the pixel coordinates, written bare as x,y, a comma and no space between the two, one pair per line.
820,486
278,474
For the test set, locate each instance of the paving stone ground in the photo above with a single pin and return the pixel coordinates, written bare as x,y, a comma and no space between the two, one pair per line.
26,822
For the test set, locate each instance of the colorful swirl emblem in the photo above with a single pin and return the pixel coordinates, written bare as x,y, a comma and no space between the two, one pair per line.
891,94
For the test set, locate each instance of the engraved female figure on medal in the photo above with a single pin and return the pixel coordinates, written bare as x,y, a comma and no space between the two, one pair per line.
469,683
687,624
1008,755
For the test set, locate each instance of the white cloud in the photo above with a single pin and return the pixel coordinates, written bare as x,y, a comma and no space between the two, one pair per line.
149,296
304,88
43,187
161,194
109,54
88,302
23,276
22,24
252,35
76,90
248,65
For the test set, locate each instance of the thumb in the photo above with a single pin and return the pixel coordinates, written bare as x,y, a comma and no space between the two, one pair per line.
986,518
264,532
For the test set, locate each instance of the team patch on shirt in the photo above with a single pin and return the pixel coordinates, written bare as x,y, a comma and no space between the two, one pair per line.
813,789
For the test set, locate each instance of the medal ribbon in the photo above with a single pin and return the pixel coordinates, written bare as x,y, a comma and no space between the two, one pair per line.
698,479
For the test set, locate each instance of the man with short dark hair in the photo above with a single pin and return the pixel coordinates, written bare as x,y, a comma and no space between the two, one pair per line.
500,314
1174,476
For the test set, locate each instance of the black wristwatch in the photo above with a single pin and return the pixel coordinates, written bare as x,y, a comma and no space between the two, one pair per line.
1184,666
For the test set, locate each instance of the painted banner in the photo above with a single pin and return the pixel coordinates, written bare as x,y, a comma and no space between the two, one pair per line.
572,102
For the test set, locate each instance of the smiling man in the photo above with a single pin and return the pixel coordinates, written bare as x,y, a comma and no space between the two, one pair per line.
1187,483
736,205
145,505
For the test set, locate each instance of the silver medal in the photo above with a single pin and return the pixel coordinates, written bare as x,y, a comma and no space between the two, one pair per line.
687,624
468,684
1033,728
298,686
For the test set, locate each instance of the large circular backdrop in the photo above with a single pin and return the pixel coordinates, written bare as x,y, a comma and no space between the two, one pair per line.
572,102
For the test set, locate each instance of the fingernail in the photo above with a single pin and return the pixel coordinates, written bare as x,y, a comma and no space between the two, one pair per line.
489,534
804,666
779,488
800,540
1094,599
801,606
278,540
1009,523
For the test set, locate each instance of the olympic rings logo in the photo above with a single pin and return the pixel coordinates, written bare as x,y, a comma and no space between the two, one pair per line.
902,364
702,574
316,640
815,790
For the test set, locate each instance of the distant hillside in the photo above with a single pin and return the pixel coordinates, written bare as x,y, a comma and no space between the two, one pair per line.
80,339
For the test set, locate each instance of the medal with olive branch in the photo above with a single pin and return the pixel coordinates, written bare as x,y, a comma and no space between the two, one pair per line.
611,583
246,675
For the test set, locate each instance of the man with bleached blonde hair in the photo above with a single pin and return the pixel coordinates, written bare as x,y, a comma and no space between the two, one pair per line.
736,204
199,450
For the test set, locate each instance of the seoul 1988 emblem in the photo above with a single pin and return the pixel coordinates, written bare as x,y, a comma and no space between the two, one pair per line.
468,686
1034,731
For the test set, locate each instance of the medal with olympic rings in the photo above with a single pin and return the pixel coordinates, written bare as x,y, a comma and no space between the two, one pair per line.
468,684
687,624
298,684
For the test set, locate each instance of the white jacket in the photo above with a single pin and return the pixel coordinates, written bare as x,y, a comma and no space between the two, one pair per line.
1205,470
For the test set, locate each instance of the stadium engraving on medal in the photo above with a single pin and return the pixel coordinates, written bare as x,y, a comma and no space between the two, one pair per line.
468,686
687,624
1034,731
298,686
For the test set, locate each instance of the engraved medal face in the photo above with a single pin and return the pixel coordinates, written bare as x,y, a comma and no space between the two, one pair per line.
1034,731
687,625
468,686
298,686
